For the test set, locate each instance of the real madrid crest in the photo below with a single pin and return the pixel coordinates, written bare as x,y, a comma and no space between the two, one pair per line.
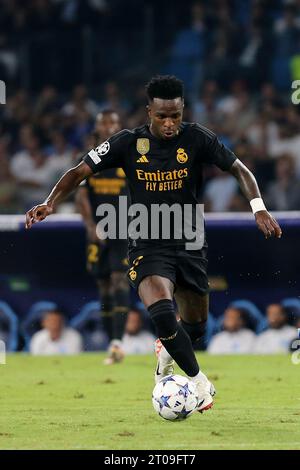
143,146
132,275
182,156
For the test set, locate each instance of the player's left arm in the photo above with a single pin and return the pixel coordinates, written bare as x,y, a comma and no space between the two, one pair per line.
247,182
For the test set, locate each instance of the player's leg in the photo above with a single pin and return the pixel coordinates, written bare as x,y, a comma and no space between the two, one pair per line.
107,305
156,292
193,312
97,263
119,288
154,275
119,291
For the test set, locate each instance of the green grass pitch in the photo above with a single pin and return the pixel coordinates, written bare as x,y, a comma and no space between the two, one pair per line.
78,403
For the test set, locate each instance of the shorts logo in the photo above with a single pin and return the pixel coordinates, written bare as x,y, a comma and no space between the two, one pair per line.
103,149
132,275
181,156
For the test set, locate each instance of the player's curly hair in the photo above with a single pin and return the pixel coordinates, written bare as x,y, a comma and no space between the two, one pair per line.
166,87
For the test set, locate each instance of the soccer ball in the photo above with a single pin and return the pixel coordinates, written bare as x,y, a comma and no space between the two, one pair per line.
175,397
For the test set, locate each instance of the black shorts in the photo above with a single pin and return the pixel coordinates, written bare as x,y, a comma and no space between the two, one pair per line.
185,268
102,260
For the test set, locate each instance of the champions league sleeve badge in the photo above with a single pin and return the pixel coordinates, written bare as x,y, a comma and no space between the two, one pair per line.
103,149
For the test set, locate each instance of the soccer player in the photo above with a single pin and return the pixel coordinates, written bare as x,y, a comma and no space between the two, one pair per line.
107,259
163,162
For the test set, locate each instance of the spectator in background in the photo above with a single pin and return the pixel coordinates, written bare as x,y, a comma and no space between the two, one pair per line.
205,109
55,338
287,32
288,139
189,49
80,102
61,154
254,60
283,194
8,185
219,192
137,340
236,338
278,336
47,102
31,169
113,100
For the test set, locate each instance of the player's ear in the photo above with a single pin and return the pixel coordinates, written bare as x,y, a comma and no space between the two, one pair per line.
149,111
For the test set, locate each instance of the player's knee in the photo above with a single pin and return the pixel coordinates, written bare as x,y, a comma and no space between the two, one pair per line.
162,314
155,288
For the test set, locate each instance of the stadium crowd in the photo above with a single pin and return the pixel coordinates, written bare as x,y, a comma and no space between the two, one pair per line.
41,139
43,132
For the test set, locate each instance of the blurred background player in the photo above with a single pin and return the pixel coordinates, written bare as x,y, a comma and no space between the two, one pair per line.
106,259
55,337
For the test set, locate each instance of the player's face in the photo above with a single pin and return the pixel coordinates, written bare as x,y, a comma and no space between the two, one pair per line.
165,117
276,316
54,324
107,125
232,320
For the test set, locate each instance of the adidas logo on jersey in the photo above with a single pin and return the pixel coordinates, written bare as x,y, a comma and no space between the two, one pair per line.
143,159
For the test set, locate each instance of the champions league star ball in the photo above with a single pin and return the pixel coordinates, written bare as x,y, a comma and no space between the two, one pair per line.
175,397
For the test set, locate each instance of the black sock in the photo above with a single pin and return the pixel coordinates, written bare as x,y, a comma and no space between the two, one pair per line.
196,331
106,314
122,301
173,337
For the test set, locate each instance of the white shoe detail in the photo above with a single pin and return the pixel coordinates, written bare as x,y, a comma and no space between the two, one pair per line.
165,363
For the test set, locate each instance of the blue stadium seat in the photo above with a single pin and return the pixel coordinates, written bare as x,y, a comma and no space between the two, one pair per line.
255,315
292,305
88,322
8,327
211,329
32,322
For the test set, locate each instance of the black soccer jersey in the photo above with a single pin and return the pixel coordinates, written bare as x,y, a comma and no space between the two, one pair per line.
105,188
162,171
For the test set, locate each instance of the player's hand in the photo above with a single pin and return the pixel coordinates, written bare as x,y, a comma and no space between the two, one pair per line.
267,224
37,214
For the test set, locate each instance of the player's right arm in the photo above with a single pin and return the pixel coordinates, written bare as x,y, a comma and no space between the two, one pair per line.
68,182
109,154
84,207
